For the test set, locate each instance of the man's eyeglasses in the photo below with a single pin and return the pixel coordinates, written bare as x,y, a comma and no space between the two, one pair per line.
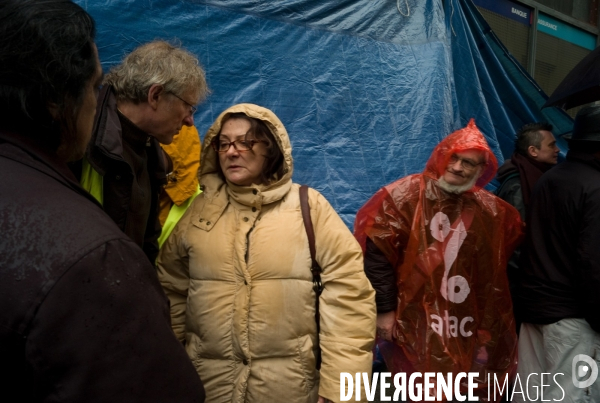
240,145
194,108
466,164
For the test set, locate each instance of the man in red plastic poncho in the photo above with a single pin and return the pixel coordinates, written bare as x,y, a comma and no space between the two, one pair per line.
436,246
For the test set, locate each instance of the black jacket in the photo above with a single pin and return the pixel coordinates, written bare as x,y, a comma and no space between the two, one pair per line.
560,266
510,191
382,276
82,315
510,187
105,154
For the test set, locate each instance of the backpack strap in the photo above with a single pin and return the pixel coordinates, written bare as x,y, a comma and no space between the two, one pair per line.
315,269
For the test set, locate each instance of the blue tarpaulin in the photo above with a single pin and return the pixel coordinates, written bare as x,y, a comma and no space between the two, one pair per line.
366,88
492,85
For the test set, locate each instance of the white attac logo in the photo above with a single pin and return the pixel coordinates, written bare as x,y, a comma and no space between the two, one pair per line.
454,289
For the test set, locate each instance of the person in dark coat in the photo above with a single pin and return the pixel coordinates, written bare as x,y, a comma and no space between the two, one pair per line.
558,296
82,315
535,153
145,101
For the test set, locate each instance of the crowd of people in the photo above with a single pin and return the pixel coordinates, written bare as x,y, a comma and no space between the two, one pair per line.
138,265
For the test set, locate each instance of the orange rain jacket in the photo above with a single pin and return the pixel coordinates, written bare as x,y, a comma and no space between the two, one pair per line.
182,183
454,311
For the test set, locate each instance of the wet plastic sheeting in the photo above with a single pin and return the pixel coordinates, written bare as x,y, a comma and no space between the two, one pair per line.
491,85
364,91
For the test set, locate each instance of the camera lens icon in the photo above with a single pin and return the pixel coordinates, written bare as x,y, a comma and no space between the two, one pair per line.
588,366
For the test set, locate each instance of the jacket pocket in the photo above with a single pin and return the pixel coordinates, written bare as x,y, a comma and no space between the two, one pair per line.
306,353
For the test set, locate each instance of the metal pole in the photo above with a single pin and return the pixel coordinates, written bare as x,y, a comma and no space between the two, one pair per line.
532,43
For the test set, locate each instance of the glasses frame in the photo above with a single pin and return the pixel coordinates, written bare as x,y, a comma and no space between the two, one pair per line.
194,108
216,146
469,167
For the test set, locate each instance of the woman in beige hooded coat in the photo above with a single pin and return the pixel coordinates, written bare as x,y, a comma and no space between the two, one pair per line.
237,272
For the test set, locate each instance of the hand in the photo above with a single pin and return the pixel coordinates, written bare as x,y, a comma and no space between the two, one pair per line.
386,325
323,400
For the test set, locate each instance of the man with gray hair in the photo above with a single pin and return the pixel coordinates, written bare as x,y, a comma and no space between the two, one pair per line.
435,249
145,101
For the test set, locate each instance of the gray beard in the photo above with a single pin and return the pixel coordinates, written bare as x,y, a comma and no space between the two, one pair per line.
456,189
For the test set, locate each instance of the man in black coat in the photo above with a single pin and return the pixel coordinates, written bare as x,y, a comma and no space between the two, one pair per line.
82,315
535,153
558,296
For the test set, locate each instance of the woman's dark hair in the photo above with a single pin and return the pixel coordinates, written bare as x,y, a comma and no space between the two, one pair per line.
46,56
258,130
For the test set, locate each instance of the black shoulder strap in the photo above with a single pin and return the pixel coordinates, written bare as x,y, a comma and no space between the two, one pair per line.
315,268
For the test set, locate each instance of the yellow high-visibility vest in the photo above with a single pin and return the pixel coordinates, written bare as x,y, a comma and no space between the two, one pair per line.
175,214
92,181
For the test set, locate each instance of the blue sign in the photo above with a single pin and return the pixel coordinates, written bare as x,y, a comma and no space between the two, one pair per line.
566,32
506,8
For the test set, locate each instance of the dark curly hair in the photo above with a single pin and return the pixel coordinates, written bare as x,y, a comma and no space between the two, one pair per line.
46,56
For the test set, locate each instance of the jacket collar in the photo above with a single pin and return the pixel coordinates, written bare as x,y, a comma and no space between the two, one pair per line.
106,144
43,161
585,158
133,135
258,195
107,139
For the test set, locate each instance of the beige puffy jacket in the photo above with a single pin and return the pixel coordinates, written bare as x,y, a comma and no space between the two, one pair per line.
237,272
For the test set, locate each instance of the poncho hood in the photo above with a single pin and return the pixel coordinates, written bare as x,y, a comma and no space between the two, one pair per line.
467,138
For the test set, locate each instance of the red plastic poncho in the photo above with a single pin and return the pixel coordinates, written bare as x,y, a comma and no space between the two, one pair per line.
450,252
